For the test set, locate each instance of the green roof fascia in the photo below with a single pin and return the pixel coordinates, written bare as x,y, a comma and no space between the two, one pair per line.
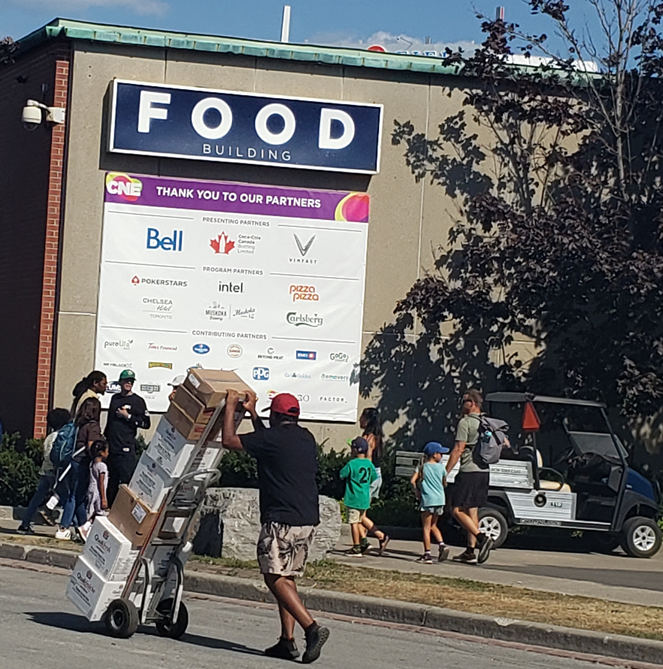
78,30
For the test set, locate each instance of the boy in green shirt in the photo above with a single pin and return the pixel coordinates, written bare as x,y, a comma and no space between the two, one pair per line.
359,473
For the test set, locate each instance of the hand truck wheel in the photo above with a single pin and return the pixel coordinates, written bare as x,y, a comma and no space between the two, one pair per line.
165,626
121,619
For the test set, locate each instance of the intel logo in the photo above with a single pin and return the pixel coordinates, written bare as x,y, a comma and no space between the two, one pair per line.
201,349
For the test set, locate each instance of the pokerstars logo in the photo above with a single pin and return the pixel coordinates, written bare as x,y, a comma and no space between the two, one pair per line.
304,293
124,186
151,281
222,245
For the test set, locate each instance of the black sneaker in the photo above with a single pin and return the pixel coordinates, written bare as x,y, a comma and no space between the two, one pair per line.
484,544
284,649
364,546
426,558
355,551
22,529
466,557
316,637
383,544
443,554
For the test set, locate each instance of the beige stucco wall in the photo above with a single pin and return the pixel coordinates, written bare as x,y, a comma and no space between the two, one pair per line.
408,219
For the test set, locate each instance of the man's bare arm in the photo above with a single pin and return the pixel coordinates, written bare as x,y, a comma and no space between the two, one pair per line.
456,452
229,436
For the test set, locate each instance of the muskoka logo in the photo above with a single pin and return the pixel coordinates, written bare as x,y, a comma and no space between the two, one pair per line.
296,319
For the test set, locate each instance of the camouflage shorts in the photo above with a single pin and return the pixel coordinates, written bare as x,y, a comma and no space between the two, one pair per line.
283,549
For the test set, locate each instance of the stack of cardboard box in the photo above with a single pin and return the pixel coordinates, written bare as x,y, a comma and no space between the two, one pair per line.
114,542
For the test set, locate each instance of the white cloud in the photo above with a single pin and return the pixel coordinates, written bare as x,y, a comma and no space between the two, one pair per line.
389,41
61,7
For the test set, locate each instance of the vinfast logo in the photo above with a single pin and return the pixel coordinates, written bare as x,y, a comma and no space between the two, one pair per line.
306,355
155,240
201,349
304,293
260,374
222,244
124,186
298,320
303,248
151,281
339,357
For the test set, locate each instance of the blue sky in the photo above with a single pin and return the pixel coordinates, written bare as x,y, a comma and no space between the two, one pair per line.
343,22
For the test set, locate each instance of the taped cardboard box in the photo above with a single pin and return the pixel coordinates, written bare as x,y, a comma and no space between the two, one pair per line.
110,553
150,482
132,516
211,385
192,406
187,427
170,449
90,592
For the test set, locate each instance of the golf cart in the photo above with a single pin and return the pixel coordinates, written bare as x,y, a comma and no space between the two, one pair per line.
566,468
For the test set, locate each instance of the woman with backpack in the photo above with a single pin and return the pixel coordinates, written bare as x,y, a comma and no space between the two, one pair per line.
93,385
88,430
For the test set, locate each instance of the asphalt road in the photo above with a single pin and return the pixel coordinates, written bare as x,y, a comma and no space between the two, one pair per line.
40,629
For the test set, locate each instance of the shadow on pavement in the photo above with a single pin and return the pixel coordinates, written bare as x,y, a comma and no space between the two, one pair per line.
211,642
65,621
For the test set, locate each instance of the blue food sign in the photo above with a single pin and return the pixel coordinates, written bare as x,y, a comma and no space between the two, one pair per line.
225,126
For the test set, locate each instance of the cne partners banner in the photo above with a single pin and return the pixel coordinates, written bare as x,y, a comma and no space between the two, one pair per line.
265,281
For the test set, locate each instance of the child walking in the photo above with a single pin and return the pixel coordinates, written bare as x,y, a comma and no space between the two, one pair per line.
359,473
429,482
97,503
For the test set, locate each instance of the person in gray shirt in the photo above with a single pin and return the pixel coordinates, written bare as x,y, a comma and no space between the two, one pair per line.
470,488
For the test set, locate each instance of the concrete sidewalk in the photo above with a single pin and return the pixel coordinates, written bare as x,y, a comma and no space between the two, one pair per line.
613,577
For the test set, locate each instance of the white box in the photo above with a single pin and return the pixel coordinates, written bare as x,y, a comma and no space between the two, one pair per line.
89,592
208,457
169,449
109,551
150,482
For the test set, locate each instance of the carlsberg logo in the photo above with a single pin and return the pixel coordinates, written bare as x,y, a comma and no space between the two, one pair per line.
296,319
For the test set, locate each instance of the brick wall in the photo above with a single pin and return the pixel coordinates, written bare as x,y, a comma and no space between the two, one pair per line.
30,184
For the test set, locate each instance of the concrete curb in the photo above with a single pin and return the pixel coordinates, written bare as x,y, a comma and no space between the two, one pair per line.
386,610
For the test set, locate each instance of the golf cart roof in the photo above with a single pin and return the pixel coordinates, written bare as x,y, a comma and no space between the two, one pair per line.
525,397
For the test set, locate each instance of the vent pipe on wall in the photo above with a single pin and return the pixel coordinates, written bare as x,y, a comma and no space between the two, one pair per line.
285,24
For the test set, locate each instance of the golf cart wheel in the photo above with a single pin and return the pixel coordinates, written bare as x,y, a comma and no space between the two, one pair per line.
121,619
166,627
493,524
641,537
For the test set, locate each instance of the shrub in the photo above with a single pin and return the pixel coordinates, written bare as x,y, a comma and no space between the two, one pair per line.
19,469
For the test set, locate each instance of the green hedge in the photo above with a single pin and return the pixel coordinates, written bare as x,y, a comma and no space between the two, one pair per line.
19,469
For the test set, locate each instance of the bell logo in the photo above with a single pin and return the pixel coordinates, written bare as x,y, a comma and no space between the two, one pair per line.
124,186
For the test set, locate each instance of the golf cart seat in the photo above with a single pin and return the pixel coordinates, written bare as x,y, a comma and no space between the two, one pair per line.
546,482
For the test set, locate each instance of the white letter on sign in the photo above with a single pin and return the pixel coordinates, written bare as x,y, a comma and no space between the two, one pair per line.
325,140
266,134
198,122
146,111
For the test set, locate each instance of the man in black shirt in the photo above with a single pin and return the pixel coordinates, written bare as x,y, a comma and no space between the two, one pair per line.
287,467
126,414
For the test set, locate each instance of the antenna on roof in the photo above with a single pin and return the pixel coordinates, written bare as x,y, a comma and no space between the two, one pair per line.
499,14
285,24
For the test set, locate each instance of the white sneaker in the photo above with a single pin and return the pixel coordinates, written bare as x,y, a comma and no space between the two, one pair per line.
65,535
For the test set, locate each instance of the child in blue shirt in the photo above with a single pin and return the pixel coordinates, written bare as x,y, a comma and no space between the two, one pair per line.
429,481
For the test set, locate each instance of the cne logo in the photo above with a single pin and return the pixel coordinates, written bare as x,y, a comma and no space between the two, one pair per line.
124,186
201,349
222,244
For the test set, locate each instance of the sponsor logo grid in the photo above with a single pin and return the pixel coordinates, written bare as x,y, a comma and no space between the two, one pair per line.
275,298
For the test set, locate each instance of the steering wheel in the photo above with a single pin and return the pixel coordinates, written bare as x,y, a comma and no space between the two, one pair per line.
565,456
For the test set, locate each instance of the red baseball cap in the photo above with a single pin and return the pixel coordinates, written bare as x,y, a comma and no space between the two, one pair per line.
285,403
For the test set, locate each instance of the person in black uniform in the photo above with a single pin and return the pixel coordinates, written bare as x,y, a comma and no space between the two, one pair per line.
126,414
